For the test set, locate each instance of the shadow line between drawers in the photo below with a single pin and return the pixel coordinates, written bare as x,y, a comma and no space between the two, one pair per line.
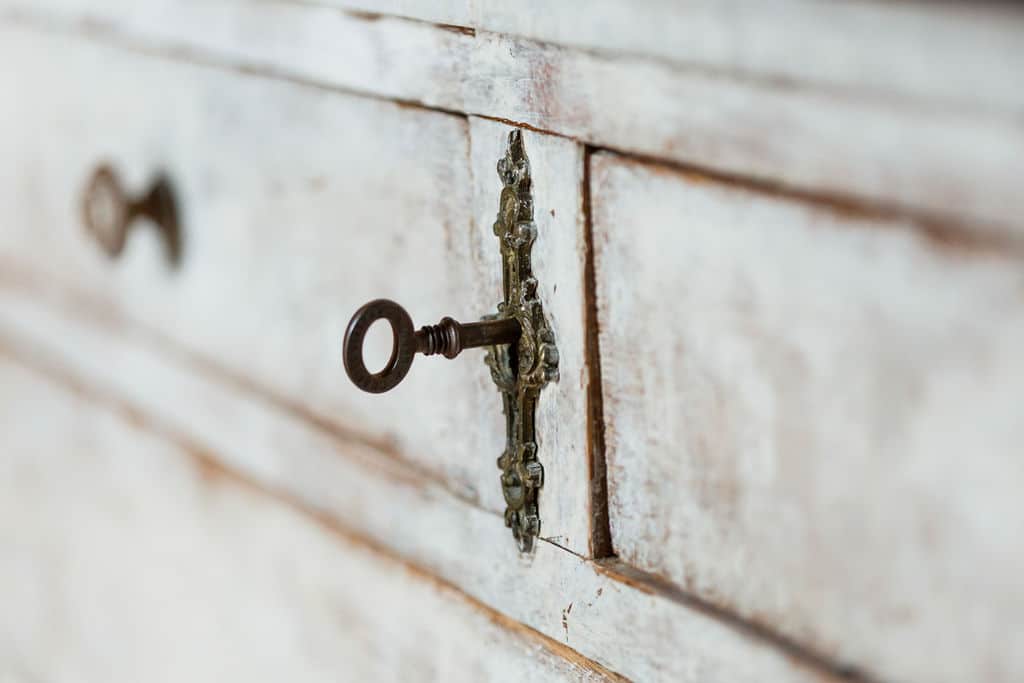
600,526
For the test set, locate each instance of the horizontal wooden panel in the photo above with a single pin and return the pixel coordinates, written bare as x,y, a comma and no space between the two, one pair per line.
814,420
969,53
630,628
940,161
125,558
298,206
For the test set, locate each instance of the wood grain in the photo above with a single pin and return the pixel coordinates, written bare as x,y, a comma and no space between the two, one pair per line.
940,162
968,54
623,626
123,558
813,421
286,234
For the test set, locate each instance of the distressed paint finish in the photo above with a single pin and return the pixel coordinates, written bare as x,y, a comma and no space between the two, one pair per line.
285,235
625,626
821,430
938,160
818,433
124,557
968,53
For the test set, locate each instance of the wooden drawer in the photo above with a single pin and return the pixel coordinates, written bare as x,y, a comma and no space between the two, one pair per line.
780,249
286,234
235,354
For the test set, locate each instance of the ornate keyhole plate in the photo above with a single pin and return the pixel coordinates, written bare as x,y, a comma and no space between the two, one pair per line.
520,370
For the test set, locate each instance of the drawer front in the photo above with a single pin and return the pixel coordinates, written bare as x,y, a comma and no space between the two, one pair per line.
822,428
297,206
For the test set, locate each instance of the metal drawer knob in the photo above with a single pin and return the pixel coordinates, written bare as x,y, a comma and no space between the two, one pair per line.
109,213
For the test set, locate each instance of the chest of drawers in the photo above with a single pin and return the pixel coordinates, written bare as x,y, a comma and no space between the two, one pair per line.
781,254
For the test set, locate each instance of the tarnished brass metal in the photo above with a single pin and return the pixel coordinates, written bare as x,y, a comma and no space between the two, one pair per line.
521,370
108,212
521,351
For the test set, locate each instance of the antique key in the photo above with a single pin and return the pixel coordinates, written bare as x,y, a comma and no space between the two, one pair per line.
447,338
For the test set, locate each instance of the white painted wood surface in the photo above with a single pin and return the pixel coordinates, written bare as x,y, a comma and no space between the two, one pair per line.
126,558
821,429
631,629
964,53
934,159
286,235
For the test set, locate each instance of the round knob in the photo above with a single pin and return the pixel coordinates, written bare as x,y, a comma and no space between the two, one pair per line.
108,212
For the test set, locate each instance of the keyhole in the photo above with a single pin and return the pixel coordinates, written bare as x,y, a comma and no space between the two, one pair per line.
378,345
